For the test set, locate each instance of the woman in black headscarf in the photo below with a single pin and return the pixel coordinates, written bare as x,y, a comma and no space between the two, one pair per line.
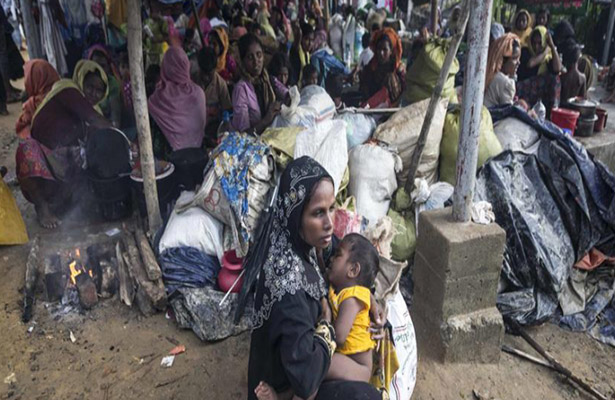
292,344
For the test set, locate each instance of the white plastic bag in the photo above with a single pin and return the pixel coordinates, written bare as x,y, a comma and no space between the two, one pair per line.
372,179
316,98
295,115
431,197
326,143
359,128
193,228
404,338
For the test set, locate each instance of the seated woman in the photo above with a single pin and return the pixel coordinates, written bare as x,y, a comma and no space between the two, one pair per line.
279,70
300,51
502,65
54,119
539,69
522,27
254,102
97,89
225,64
177,107
382,81
292,343
112,105
216,93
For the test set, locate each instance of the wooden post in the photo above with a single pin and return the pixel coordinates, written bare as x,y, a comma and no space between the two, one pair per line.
139,99
198,22
434,17
471,107
326,5
33,39
609,35
436,94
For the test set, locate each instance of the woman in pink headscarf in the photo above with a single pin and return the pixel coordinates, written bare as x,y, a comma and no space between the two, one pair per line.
177,107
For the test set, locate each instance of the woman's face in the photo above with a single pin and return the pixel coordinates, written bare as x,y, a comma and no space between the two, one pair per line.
509,68
384,52
542,19
317,218
307,41
537,43
93,88
253,60
522,22
283,75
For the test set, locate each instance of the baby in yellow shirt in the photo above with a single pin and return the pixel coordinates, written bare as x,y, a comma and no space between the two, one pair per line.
351,273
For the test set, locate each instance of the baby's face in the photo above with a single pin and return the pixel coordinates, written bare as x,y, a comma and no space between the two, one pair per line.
337,271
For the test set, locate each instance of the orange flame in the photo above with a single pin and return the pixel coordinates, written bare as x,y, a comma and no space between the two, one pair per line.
74,272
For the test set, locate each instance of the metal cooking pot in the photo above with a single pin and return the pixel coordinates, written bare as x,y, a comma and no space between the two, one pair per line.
585,126
586,108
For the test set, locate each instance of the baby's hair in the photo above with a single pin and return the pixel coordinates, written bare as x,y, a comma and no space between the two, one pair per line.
309,70
363,252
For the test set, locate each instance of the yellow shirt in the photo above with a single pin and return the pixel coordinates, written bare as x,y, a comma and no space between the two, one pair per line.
359,339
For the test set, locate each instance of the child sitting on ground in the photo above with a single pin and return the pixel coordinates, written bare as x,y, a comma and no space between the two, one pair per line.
334,85
309,76
351,273
574,83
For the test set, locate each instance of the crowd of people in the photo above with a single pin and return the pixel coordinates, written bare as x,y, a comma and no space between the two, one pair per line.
232,68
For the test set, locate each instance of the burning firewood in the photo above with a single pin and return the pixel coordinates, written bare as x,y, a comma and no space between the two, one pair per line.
127,292
31,276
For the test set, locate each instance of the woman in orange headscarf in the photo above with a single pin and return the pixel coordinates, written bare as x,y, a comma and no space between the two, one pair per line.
382,81
226,65
39,79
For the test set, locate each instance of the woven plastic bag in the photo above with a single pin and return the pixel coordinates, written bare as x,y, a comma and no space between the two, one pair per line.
12,228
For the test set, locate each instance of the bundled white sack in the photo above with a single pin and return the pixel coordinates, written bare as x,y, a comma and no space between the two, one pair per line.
295,115
359,128
402,131
372,179
516,135
193,227
326,143
404,338
317,98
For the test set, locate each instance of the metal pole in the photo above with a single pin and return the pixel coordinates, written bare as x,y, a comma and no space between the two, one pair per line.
198,22
139,99
436,94
471,107
609,35
33,39
409,13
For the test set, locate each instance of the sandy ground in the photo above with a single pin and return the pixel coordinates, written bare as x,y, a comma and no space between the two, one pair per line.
117,352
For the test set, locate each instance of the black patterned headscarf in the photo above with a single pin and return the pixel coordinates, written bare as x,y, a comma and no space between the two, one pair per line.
285,262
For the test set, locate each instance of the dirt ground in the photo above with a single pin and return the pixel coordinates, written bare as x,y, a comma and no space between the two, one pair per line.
117,352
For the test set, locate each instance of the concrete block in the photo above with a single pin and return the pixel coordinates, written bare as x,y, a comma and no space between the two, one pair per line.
449,296
601,146
466,338
459,249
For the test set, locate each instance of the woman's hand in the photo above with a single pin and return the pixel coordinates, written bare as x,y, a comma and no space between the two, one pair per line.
274,109
550,41
326,314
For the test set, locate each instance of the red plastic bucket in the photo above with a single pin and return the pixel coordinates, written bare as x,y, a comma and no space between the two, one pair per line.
565,118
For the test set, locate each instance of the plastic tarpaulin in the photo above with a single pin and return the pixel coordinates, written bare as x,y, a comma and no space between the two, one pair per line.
555,206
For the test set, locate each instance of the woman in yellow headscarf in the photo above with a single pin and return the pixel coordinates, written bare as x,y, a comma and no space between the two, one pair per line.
522,27
93,82
538,74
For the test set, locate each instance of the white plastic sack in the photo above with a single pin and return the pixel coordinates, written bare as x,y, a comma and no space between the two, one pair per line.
193,228
516,135
317,99
372,179
402,131
359,128
326,143
404,338
295,115
431,197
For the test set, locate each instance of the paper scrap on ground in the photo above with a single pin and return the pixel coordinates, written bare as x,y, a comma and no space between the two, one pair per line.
167,361
72,337
10,379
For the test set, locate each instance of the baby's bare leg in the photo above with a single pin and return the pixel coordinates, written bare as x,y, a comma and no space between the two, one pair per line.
354,367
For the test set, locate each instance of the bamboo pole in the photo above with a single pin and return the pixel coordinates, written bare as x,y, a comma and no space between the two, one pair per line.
198,22
146,152
609,35
436,94
471,107
434,17
33,40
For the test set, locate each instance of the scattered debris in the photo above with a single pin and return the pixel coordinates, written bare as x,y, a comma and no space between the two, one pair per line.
72,337
113,232
172,340
167,361
11,379
177,350
161,384
31,329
